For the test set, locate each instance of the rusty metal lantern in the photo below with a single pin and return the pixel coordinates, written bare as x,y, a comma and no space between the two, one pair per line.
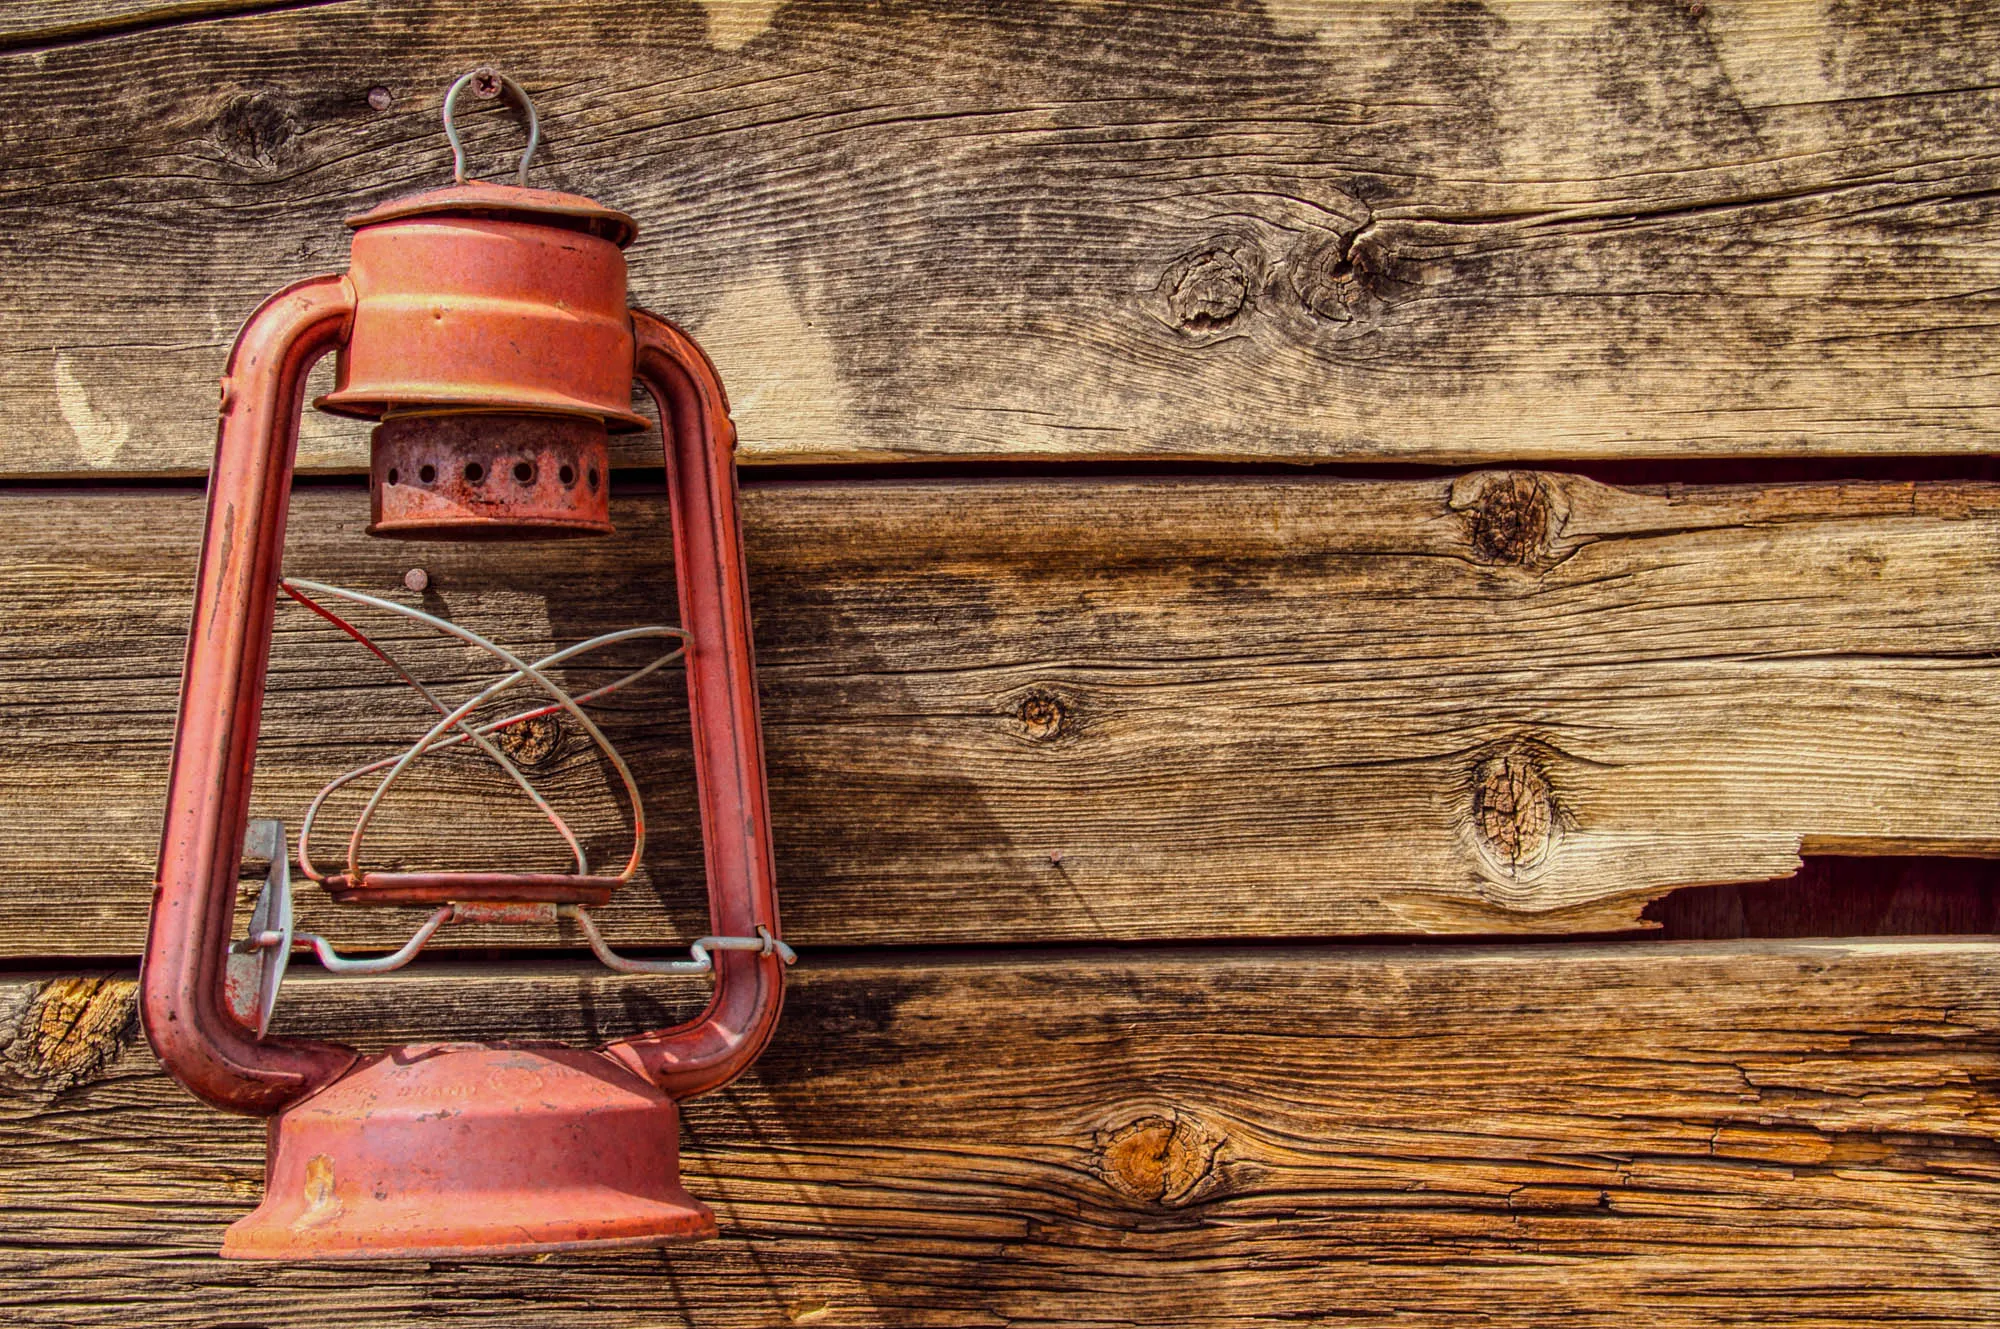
484,327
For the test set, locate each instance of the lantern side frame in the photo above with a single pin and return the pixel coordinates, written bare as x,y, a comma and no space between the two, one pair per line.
183,1011
699,440
207,1049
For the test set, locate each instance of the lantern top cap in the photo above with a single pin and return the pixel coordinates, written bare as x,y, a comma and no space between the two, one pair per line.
480,198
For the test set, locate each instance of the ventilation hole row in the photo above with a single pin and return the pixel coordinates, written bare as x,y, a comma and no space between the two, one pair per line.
524,473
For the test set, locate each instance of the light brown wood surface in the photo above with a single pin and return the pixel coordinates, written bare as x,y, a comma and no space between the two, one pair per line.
1666,1135
1546,229
1013,714
1101,709
37,25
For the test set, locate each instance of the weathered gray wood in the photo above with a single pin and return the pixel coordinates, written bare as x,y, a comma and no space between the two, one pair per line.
1670,1135
1102,709
31,25
1134,229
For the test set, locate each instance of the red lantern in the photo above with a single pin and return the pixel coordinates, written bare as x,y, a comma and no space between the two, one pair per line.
485,328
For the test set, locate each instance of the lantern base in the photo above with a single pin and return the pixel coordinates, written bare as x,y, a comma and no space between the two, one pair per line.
451,1149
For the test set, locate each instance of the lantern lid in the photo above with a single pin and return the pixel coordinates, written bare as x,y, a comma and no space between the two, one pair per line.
481,198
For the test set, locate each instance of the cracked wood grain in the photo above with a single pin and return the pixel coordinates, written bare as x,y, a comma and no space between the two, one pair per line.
1099,709
1585,1135
1140,229
41,25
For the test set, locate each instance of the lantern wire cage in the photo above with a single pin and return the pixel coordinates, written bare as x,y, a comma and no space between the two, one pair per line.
271,936
455,727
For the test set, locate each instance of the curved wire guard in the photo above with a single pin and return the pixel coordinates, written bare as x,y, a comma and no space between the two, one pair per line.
521,670
271,934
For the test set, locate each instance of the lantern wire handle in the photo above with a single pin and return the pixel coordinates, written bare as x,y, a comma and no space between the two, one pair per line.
489,82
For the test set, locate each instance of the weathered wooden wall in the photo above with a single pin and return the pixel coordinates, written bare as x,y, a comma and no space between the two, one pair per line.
1304,231
1099,786
1683,1135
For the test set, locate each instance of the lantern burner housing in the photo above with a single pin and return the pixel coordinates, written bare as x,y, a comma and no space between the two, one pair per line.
495,475
492,342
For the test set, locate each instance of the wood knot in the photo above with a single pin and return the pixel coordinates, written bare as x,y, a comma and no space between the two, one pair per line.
1511,517
1514,811
74,1028
257,130
1325,284
535,742
1340,281
1164,1160
1045,716
1205,290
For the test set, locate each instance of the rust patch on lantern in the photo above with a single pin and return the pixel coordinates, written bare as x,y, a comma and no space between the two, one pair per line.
322,1203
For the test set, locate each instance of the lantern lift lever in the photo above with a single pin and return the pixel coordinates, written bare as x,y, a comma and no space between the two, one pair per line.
258,962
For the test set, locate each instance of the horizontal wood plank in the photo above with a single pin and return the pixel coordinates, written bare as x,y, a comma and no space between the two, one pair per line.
1143,228
1681,1135
32,25
1097,709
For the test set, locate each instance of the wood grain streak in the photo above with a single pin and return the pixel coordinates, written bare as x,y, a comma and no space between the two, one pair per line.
33,25
1145,228
1100,709
1682,1135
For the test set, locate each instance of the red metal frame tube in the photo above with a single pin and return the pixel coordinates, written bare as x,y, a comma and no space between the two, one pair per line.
207,1049
222,697
700,441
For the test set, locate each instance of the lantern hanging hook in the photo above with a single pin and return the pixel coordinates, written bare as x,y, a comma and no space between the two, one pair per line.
489,82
